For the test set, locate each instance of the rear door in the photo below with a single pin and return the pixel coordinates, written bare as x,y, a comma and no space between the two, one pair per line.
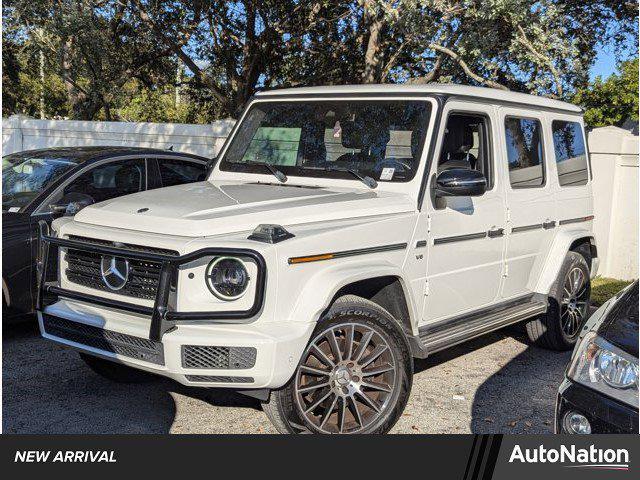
529,191
466,234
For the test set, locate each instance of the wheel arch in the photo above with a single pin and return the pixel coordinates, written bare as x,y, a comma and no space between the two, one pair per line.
569,240
383,285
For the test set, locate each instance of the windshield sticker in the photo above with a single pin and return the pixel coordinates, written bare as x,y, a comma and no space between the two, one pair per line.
387,173
337,130
14,209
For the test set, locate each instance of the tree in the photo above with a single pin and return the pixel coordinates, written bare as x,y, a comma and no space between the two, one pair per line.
611,101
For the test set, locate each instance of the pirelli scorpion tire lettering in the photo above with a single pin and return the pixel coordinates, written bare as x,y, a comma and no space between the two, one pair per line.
354,376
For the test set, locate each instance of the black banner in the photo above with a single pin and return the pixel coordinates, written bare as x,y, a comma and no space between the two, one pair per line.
464,457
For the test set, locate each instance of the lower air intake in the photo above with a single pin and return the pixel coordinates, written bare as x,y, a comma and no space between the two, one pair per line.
213,357
106,340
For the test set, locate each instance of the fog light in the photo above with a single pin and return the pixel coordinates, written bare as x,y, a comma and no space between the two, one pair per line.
577,423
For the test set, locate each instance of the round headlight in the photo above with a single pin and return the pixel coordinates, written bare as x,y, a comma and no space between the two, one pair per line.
227,278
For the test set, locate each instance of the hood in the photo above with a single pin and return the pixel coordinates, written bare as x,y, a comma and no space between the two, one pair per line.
11,219
205,208
620,325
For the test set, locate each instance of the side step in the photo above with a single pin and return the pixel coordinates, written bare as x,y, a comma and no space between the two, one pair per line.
453,331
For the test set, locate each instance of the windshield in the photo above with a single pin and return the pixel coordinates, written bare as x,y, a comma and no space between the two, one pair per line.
24,177
379,139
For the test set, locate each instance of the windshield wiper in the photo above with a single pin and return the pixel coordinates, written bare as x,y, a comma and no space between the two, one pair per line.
282,178
367,180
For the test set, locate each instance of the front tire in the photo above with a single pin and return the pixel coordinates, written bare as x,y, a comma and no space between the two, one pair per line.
115,372
354,376
569,301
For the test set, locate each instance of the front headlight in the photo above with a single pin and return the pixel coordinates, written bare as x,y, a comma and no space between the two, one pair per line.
599,365
227,278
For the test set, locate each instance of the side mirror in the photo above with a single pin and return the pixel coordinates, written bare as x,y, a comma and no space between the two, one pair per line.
460,182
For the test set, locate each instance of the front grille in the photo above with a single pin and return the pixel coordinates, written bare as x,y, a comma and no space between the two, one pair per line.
207,356
84,269
106,340
215,379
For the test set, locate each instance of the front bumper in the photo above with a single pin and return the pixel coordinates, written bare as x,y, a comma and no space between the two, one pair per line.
273,348
604,414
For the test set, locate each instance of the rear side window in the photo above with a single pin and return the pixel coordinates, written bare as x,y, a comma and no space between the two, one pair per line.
177,172
570,151
524,152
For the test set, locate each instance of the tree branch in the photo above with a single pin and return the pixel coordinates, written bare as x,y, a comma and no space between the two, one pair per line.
456,58
523,40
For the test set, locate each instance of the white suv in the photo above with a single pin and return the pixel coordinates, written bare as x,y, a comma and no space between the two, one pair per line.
342,232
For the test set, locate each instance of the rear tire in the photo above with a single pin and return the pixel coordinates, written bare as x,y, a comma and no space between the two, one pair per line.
360,386
569,301
115,372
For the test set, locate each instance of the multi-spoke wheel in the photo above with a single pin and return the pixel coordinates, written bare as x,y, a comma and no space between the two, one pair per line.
346,378
353,377
573,307
568,307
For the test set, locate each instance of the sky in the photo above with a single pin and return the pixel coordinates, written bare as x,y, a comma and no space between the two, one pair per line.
606,62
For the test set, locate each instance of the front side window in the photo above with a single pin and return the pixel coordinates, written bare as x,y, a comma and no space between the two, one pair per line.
109,180
466,145
380,139
24,176
524,152
570,152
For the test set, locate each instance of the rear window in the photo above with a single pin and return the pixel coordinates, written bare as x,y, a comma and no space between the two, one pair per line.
524,152
570,151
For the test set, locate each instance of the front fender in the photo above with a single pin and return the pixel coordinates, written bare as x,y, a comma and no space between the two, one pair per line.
321,288
553,262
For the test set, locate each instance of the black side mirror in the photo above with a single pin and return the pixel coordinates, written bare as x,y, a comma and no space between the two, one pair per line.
460,182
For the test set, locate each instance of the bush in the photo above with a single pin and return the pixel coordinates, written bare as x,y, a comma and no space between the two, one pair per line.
602,289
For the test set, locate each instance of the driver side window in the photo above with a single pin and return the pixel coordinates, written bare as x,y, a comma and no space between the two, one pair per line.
466,145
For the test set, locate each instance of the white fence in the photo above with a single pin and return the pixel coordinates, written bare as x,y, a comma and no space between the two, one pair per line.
614,159
22,133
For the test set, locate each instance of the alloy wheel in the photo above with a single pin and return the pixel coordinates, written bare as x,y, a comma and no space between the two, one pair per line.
346,379
573,307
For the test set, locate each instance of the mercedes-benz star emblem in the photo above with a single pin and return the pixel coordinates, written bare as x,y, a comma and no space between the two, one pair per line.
115,272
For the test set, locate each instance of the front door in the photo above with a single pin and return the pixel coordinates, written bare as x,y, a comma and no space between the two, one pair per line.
466,235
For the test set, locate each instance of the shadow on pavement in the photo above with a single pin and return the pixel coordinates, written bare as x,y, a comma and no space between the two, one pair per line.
49,389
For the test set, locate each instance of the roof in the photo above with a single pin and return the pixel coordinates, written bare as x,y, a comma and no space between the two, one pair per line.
429,88
85,154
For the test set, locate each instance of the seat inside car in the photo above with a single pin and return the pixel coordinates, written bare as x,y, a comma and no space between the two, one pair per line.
457,143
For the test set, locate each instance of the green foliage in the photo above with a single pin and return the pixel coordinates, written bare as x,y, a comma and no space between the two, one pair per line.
118,60
602,289
611,101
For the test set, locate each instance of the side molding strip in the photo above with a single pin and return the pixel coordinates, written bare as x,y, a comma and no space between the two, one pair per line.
346,253
577,220
459,238
526,228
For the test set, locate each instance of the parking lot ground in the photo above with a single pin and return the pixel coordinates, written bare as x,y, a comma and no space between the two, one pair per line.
495,384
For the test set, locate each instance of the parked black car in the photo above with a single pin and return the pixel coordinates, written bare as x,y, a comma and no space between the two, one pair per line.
43,184
600,391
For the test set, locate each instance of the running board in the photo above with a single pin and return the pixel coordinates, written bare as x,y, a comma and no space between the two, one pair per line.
450,332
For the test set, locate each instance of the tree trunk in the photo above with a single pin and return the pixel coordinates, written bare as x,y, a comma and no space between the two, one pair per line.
373,53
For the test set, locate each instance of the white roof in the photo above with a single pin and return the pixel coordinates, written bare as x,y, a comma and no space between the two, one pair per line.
448,89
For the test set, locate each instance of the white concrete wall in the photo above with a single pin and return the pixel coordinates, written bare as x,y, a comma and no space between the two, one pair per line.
614,160
23,133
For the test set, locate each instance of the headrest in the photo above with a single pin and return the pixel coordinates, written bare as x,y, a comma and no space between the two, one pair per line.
360,134
459,136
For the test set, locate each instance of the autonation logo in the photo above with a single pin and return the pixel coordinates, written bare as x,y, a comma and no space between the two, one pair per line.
592,457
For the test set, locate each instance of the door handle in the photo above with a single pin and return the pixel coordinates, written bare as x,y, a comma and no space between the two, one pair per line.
498,232
549,224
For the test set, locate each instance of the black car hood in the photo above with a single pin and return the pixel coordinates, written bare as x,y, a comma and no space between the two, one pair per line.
620,324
